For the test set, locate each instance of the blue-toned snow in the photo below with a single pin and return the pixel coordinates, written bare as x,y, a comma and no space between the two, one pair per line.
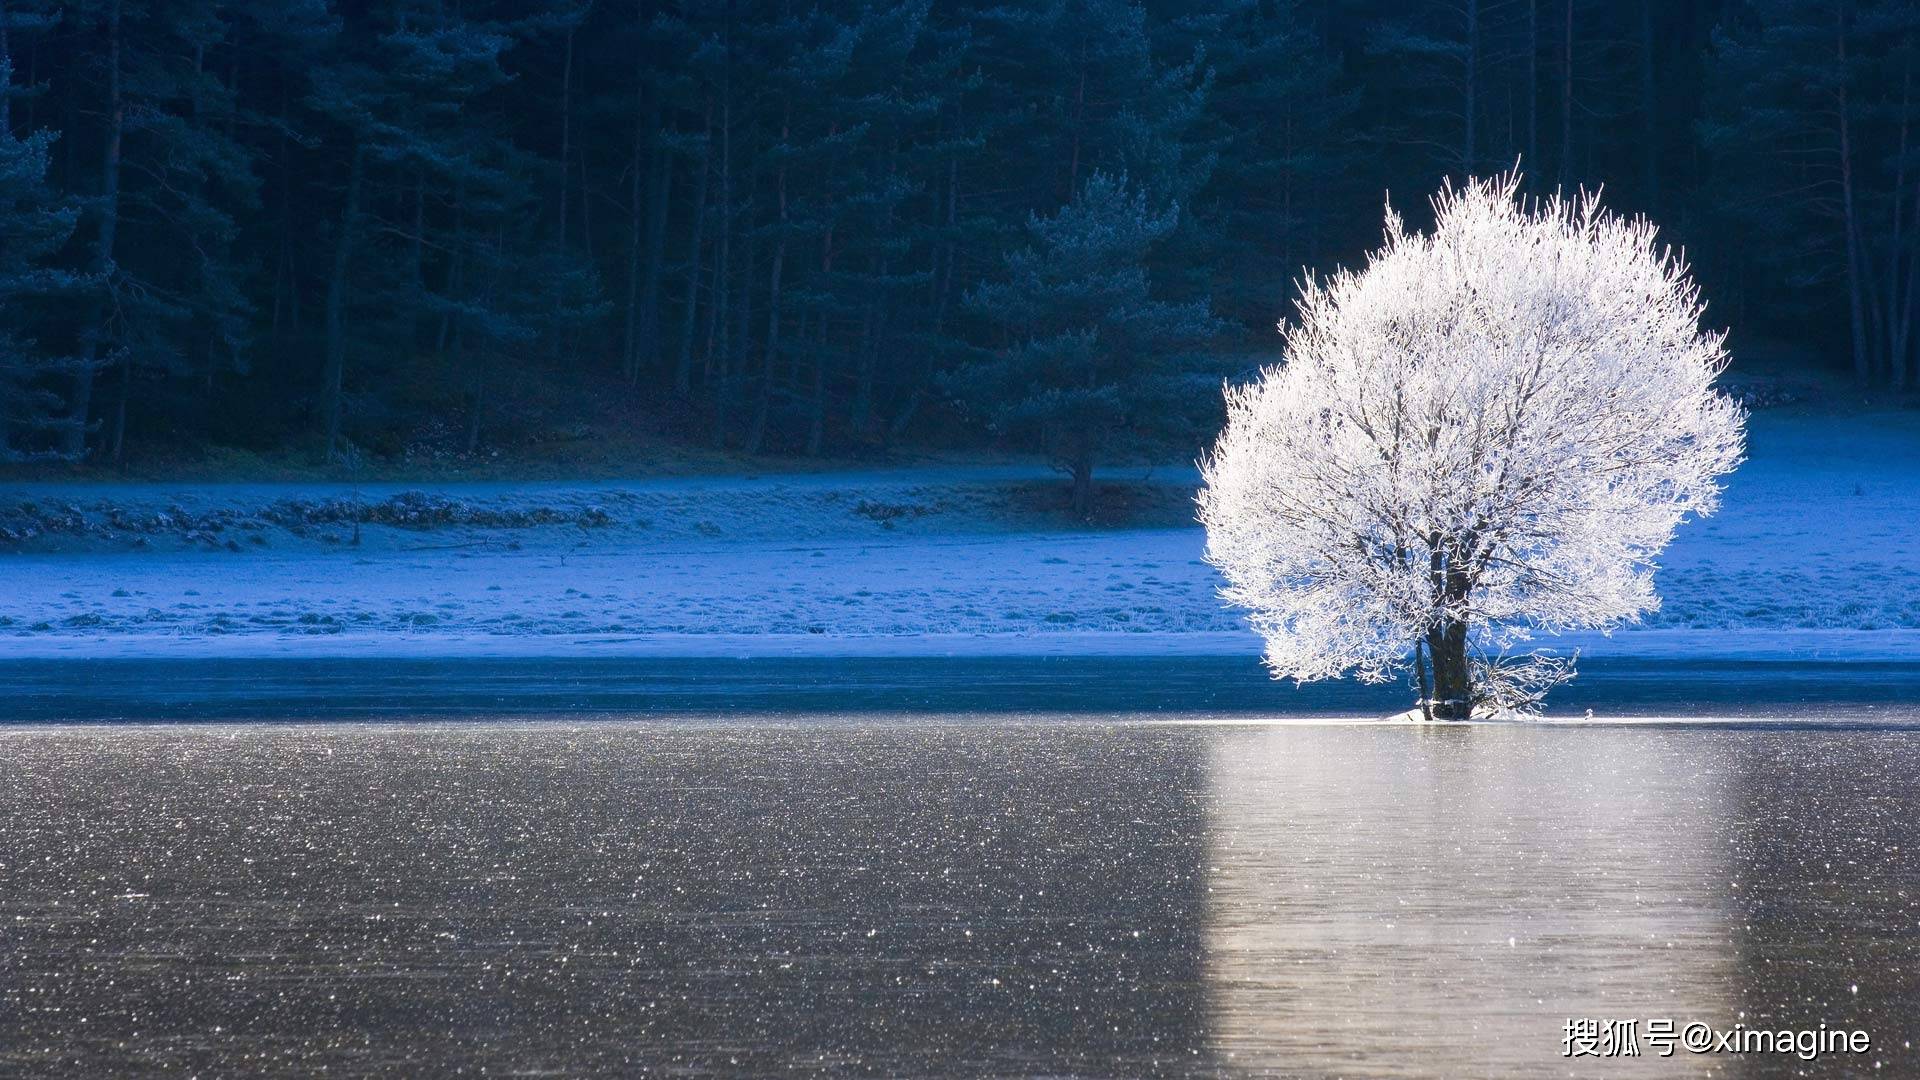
1816,553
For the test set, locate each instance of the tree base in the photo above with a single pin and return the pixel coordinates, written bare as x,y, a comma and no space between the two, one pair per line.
1416,715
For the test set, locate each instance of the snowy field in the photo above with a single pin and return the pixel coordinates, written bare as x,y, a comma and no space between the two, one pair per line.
1816,554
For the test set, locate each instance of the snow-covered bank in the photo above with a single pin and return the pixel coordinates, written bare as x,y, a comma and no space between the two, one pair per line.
1867,646
1816,555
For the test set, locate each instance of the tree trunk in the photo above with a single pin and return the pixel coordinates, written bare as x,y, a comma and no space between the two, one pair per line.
586,208
417,259
757,431
477,398
720,328
286,283
1286,238
1082,470
643,325
455,282
566,132
82,404
1856,287
817,400
659,194
1533,87
740,338
1895,317
817,406
860,413
6,88
683,363
476,394
1650,143
643,199
1468,149
1566,97
117,437
952,243
630,340
1447,635
1905,361
1079,121
333,375
1452,680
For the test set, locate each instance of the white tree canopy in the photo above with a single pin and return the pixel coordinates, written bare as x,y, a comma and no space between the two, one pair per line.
1498,424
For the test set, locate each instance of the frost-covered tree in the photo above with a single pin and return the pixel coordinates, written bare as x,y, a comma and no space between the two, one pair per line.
1488,431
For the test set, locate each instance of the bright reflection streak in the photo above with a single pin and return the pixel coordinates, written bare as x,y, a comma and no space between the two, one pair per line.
1439,902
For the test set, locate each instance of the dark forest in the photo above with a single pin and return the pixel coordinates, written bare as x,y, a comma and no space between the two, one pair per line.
369,229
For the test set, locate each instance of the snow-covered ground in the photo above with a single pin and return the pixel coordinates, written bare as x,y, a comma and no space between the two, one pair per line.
1817,553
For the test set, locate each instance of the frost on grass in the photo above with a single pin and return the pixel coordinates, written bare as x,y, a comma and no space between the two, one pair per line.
1488,431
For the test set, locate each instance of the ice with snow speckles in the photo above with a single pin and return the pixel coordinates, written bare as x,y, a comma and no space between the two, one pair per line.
940,897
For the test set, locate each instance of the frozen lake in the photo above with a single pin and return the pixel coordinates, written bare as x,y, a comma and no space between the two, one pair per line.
926,888
1812,691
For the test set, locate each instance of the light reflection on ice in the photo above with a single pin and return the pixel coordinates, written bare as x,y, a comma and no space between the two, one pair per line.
1407,898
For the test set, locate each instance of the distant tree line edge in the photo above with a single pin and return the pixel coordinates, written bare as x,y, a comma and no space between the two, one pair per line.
773,226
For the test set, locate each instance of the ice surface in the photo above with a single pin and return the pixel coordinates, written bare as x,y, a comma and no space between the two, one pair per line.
942,897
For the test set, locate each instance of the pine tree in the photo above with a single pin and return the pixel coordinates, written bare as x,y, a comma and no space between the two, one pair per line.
1281,128
1426,67
1811,124
362,218
805,59
1076,89
1093,367
35,223
843,303
181,306
399,90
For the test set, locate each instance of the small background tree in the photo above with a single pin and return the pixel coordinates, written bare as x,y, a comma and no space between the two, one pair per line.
1488,431
1093,366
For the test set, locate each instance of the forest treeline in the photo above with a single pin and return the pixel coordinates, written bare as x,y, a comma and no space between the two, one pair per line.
807,227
